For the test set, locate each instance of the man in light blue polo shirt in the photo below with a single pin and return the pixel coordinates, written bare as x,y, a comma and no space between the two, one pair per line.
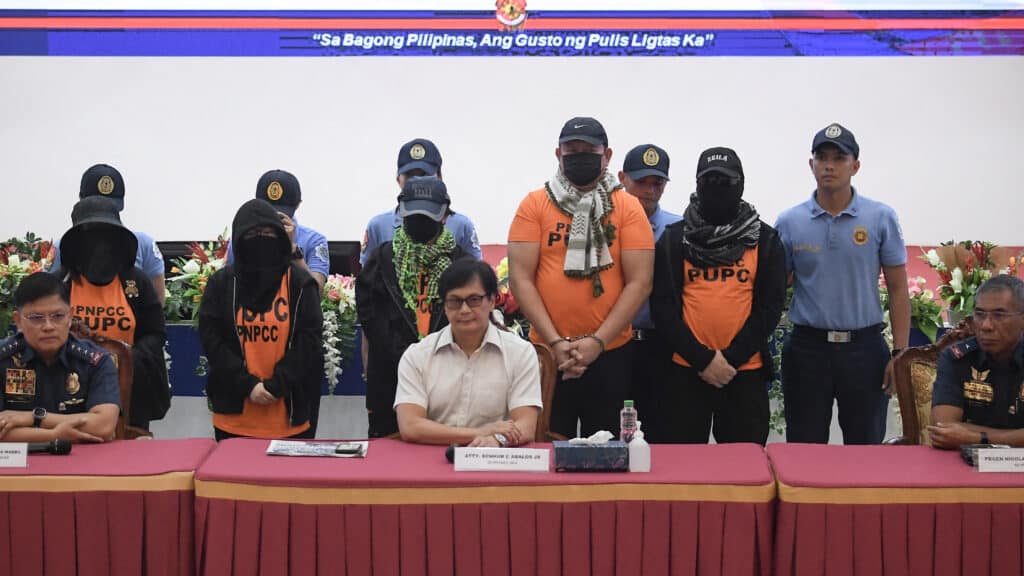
644,174
419,157
310,249
836,242
106,181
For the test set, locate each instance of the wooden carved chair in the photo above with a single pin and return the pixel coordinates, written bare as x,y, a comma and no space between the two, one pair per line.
121,353
548,378
915,375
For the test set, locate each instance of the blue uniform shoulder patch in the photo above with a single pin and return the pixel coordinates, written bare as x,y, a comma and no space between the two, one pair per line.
11,346
87,352
963,348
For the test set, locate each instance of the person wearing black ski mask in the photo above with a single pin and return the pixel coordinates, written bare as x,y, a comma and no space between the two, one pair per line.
261,328
396,293
114,299
719,290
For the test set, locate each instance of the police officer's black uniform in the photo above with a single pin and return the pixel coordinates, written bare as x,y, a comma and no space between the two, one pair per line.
989,393
83,376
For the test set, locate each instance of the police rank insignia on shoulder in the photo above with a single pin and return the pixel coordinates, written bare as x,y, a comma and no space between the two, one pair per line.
131,289
93,357
20,382
962,348
73,385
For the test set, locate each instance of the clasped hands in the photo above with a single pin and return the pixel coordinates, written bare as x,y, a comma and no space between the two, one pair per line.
486,439
719,372
574,356
261,396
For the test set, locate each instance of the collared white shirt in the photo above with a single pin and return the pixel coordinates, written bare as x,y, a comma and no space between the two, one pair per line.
469,391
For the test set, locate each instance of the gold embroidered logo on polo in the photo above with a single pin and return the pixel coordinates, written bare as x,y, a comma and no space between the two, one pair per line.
105,185
73,385
651,157
275,191
417,152
860,236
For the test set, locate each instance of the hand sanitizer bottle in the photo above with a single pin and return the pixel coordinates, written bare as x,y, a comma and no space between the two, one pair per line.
639,452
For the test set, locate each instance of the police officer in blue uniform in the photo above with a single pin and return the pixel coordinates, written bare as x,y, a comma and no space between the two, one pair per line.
53,384
978,396
644,174
309,247
836,243
419,157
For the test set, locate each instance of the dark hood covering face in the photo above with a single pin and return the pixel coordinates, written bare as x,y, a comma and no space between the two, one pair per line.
97,245
259,262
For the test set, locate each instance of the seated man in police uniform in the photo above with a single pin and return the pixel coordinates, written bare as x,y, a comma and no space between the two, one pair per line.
54,385
979,390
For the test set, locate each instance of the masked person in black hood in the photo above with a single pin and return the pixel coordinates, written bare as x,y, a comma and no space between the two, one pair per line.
114,299
396,293
260,325
719,290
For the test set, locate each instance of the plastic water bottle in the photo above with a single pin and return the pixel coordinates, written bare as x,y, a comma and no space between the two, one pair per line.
627,421
639,452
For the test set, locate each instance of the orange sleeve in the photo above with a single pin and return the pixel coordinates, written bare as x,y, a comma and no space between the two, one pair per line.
635,229
526,224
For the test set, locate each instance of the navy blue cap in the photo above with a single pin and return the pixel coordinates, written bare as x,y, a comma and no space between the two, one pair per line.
720,159
281,189
646,160
419,154
838,136
583,128
103,180
426,195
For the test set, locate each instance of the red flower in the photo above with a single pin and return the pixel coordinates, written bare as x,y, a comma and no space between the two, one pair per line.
507,303
946,276
198,253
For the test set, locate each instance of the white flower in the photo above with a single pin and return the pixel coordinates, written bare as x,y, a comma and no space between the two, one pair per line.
191,267
933,258
956,283
14,261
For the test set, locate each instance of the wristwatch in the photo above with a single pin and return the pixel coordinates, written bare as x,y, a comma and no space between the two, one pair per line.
297,254
501,438
38,415
984,438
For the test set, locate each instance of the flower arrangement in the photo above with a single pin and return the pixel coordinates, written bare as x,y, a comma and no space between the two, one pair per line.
925,312
338,305
506,307
20,257
963,267
185,291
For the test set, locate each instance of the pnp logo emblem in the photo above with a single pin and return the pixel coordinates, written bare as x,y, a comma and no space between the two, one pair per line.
105,185
860,236
417,152
833,131
275,191
511,13
651,157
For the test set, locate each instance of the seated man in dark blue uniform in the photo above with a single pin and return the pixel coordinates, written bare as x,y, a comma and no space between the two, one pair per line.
979,390
53,384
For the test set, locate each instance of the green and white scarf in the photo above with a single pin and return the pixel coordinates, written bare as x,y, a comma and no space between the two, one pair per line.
589,236
411,258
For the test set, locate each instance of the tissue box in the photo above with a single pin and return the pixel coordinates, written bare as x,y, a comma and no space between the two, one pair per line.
610,457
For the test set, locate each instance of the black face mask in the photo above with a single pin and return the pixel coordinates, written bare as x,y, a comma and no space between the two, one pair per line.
719,196
582,168
260,262
260,252
99,260
420,228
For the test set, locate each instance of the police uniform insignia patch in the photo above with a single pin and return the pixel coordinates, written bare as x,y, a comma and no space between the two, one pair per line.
18,362
417,152
323,252
979,375
651,157
833,131
20,382
105,185
275,191
979,391
365,242
72,385
131,289
961,349
860,236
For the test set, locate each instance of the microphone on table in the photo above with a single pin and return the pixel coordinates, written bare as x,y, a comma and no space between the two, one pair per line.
59,447
449,453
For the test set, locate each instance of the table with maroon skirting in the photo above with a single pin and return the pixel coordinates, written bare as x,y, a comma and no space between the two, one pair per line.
893,510
121,508
404,510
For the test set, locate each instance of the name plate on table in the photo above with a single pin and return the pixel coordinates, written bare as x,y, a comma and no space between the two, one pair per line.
14,455
502,459
1001,460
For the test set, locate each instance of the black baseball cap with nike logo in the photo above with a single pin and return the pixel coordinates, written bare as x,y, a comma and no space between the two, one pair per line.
588,130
